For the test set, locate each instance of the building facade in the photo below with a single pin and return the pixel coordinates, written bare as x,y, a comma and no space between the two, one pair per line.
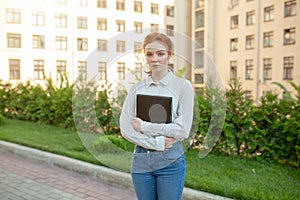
255,41
53,38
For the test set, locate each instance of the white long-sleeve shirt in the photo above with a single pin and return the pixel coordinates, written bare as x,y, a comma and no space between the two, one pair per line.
152,134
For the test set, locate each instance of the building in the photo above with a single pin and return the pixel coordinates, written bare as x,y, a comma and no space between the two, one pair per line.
77,37
256,41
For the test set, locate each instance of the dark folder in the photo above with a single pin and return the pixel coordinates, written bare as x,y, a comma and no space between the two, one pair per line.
156,109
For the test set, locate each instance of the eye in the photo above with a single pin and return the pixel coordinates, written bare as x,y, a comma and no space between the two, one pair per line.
148,54
161,54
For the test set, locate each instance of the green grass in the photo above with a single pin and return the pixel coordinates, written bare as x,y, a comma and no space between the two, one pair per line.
221,175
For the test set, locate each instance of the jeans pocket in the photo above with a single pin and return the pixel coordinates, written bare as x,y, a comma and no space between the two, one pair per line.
172,154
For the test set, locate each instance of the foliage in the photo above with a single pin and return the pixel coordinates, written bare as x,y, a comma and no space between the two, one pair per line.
2,119
269,131
52,104
277,128
92,111
236,132
211,110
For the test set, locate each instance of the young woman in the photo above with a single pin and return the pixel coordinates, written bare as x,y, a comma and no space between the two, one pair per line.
158,166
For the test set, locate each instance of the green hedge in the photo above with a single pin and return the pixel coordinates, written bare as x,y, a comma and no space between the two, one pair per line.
268,131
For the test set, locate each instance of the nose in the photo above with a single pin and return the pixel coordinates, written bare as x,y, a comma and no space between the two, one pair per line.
154,58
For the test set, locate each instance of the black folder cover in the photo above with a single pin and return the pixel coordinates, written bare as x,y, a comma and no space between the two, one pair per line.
156,109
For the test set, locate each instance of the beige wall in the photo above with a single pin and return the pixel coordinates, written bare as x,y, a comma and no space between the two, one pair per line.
218,45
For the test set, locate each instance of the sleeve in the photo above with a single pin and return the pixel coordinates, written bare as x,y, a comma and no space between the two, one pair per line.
128,132
181,126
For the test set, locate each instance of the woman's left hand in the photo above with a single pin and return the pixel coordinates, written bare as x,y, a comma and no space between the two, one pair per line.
136,124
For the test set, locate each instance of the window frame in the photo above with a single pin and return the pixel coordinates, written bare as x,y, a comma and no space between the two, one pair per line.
14,69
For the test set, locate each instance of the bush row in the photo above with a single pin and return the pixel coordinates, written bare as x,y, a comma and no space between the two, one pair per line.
268,131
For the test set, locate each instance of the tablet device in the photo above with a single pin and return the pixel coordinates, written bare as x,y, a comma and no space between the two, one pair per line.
155,109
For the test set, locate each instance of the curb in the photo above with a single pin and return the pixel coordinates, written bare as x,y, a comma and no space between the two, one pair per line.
100,173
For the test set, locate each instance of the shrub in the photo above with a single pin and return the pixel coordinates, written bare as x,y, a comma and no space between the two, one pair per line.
2,119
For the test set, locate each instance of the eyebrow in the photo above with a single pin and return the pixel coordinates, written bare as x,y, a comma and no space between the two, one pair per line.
155,50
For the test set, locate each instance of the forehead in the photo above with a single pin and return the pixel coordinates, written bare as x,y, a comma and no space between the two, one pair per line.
155,46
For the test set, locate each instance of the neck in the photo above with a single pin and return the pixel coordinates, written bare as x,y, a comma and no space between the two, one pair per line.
157,76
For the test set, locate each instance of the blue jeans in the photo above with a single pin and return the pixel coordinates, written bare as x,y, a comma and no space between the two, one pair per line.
163,184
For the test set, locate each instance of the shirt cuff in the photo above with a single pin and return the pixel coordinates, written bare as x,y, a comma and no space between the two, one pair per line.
160,143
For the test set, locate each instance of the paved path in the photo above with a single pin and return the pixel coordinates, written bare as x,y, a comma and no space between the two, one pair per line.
22,179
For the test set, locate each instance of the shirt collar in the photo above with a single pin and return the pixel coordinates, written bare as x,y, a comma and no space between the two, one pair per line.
164,81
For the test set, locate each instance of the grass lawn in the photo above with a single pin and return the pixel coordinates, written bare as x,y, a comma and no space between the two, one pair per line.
222,175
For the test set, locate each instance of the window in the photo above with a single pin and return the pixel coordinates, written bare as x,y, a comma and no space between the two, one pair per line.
290,8
61,69
13,40
61,20
38,18
82,69
248,94
199,19
121,70
82,23
138,26
102,24
154,27
120,25
137,48
289,36
154,9
249,69
138,6
267,73
288,65
170,11
38,69
102,70
234,21
101,3
170,30
250,17
268,39
82,44
199,78
233,70
82,3
61,43
14,69
102,45
199,37
249,42
38,42
13,16
269,13
120,4
138,71
233,44
199,59
120,46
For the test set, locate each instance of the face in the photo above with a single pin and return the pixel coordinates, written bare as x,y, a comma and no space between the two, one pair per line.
157,56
